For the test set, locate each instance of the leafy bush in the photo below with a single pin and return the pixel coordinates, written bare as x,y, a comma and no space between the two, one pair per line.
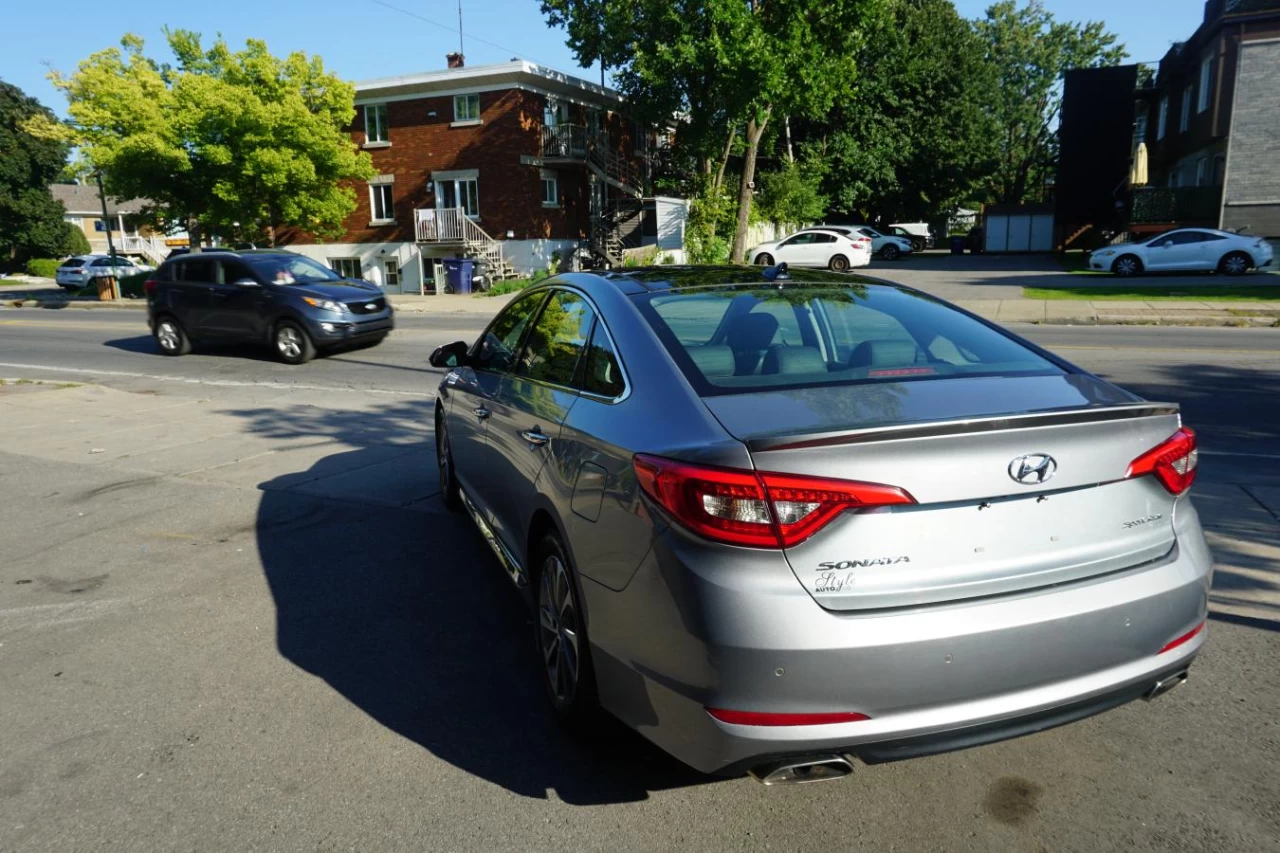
131,285
42,267
76,243
791,194
512,285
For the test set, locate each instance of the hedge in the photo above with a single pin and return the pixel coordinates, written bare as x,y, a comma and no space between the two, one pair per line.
42,267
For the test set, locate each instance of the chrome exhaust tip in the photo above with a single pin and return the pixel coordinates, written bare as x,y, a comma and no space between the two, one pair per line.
797,771
1166,684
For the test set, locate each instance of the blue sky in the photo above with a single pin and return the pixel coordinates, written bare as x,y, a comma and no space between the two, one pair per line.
361,39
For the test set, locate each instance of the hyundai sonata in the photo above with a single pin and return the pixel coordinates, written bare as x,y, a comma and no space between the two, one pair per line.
778,522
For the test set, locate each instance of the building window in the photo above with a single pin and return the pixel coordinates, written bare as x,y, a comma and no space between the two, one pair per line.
556,112
1206,75
1162,120
550,189
346,267
1219,169
454,190
375,123
392,268
1184,117
98,226
1202,171
380,203
466,107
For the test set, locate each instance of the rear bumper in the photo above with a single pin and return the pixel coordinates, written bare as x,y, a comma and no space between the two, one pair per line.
930,679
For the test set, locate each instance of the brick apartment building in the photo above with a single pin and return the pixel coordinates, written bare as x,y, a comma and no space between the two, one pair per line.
1209,118
507,163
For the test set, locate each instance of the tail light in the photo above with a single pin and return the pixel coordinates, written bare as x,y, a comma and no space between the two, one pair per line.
757,509
149,285
1185,638
1173,462
762,718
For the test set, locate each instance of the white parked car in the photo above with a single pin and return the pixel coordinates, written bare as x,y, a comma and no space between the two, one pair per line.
837,248
886,246
76,272
1186,249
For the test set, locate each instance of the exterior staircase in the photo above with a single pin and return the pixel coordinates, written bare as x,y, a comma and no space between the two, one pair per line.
453,226
617,228
151,248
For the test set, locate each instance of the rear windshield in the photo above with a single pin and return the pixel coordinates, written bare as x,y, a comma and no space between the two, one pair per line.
747,339
72,262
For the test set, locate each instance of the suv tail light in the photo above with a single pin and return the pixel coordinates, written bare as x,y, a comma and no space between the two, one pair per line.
757,509
1173,462
149,285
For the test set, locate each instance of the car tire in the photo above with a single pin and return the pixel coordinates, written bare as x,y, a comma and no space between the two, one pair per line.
560,638
1235,263
450,492
764,259
890,253
170,337
838,263
917,245
1126,266
292,343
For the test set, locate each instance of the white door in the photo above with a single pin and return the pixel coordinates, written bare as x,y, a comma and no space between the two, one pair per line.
1181,250
796,251
1019,234
1042,233
997,233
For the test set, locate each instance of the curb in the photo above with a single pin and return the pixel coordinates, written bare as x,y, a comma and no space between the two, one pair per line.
1140,320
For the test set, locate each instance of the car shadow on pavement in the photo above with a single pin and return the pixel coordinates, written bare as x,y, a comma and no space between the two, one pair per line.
405,613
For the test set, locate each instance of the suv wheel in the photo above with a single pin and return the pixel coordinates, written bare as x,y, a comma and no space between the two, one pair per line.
890,252
561,634
170,337
293,344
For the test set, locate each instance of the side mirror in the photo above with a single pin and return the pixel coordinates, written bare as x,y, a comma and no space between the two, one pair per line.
449,355
247,282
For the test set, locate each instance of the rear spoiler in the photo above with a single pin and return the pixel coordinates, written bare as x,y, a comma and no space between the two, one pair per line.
996,423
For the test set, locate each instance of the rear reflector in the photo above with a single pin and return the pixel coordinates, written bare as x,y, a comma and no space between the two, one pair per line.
1185,638
1173,462
757,509
149,285
758,718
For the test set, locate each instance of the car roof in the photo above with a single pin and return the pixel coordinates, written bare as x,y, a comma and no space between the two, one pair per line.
639,280
238,253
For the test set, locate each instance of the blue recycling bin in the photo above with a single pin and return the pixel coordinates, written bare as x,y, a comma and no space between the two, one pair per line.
957,244
457,274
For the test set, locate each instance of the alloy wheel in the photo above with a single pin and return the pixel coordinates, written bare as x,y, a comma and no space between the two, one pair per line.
289,342
558,628
1235,265
167,334
1126,266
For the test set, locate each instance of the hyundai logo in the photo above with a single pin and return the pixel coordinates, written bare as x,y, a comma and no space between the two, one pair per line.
1033,469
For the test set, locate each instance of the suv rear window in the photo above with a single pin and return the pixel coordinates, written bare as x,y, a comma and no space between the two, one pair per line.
747,339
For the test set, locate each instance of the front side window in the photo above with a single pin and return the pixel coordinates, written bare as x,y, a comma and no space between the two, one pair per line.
380,203
231,272
557,340
296,269
1206,76
800,240
466,107
496,349
375,123
810,336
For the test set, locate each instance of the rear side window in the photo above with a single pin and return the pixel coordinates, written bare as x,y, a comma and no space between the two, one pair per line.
555,344
798,336
496,349
195,270
102,262
603,374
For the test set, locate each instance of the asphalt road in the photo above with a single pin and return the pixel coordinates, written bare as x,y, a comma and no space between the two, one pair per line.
192,665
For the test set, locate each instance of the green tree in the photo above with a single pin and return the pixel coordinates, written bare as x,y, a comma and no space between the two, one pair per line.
221,137
1030,51
31,222
917,135
721,66
74,242
792,195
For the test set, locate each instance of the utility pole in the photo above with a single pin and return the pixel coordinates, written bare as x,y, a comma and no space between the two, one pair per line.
106,226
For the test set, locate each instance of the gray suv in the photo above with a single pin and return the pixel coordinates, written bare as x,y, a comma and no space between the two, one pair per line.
773,524
286,301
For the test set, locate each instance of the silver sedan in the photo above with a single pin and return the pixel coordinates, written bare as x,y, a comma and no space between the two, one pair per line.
779,524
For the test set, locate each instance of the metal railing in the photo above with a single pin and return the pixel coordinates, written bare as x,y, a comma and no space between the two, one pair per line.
1175,204
441,225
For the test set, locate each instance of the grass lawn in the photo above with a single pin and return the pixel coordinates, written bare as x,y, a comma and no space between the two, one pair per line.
1158,293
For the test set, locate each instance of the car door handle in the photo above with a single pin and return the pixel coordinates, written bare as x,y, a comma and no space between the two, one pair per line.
481,412
534,437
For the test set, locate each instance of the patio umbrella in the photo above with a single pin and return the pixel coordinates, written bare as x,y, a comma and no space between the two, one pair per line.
1138,174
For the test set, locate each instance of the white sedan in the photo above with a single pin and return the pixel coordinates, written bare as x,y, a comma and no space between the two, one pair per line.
816,247
1186,249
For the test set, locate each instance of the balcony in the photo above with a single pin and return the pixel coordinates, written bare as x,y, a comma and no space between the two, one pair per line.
571,140
1180,205
447,225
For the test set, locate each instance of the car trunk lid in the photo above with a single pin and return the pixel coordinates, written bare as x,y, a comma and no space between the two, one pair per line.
1006,498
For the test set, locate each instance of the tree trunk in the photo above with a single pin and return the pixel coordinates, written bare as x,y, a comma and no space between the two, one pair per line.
786,122
193,233
755,130
724,161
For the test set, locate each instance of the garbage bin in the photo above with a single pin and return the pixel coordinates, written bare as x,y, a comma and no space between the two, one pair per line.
106,288
957,244
457,273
